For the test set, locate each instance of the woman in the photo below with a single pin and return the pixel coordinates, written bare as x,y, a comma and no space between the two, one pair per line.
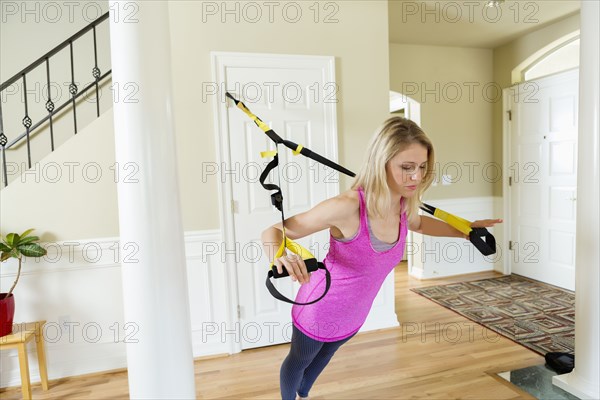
368,226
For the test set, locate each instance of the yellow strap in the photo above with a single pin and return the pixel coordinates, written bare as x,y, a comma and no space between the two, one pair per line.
256,120
264,128
456,222
294,248
269,153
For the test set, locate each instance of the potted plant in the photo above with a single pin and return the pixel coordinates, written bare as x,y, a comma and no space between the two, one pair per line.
15,246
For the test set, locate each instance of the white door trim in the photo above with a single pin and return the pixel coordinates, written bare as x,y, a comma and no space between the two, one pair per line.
506,143
220,61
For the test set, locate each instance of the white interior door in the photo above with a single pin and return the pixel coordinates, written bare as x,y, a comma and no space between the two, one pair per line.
543,174
295,96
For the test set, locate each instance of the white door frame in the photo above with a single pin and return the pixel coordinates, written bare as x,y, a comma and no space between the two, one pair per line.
506,143
220,61
413,112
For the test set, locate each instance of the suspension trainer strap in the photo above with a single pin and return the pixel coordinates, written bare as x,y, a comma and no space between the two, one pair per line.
277,200
481,238
296,148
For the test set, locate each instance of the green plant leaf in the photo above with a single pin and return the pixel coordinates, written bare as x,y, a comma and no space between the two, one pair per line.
4,247
32,250
16,240
27,240
27,232
4,257
15,253
10,238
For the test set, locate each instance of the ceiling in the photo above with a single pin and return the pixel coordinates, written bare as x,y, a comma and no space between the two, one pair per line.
469,23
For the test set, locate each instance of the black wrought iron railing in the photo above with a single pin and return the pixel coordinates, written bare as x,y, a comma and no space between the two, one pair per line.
52,108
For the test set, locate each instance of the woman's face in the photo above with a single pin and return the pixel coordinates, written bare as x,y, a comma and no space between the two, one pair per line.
406,170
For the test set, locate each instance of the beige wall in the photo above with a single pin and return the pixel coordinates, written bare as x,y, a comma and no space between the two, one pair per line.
509,56
28,30
71,194
358,41
455,88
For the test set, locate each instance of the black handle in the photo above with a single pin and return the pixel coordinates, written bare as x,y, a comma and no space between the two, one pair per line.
311,265
487,246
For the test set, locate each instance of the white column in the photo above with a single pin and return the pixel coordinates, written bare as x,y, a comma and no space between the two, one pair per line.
583,380
155,294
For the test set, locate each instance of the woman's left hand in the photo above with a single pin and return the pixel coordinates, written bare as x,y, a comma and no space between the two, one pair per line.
485,223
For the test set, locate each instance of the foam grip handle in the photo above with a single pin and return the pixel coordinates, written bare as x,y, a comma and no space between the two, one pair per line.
486,247
311,266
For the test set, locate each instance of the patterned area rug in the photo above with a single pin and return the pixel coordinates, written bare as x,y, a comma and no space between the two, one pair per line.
538,316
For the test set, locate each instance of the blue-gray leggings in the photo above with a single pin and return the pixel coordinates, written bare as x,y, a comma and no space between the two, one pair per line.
307,359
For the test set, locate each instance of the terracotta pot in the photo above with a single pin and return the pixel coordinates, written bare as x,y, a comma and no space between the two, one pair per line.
7,312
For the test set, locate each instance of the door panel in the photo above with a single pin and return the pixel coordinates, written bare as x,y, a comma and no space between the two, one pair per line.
544,179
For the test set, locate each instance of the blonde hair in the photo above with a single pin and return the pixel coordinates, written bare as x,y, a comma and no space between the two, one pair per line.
395,135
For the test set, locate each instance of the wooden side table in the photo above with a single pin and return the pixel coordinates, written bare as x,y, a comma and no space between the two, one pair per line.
18,340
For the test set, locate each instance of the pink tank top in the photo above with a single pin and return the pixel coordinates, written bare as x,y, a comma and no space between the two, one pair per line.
357,273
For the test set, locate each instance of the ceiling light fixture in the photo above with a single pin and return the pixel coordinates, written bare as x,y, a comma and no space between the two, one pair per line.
494,3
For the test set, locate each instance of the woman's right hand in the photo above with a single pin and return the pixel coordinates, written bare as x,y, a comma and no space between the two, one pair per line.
295,267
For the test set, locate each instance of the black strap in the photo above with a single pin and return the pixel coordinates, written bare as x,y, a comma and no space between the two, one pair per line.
311,265
277,197
318,158
289,144
486,247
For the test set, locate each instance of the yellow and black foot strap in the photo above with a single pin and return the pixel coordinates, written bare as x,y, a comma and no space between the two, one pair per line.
481,238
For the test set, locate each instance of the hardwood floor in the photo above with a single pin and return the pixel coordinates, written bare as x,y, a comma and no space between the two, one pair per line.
436,354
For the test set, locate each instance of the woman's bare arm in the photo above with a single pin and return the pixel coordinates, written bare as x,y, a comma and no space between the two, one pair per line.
325,215
434,227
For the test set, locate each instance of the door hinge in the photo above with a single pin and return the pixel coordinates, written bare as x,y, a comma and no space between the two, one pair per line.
239,312
509,115
510,181
235,206
510,244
